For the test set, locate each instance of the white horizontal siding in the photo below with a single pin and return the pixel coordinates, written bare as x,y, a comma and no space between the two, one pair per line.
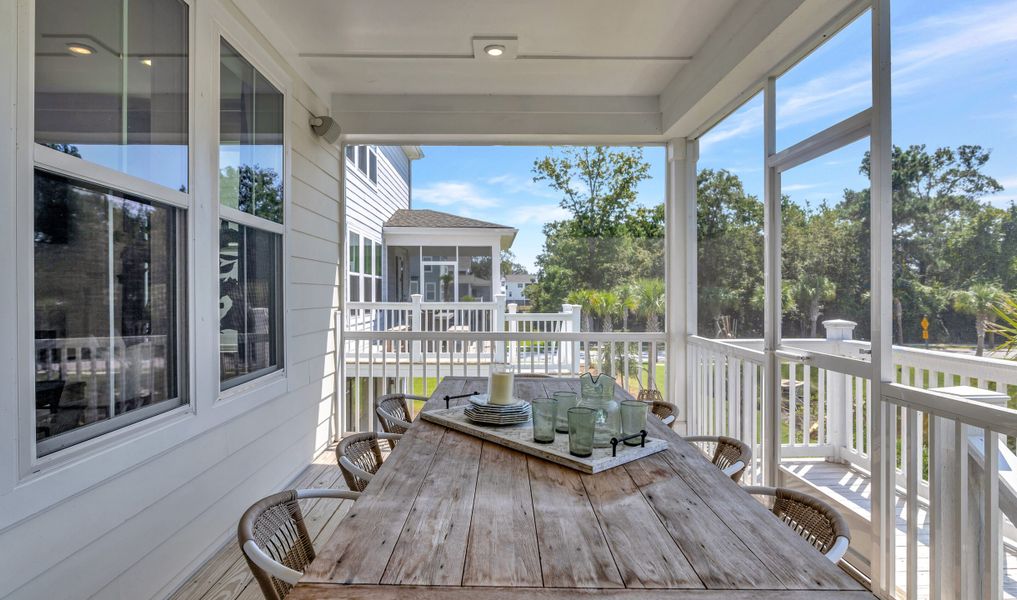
140,533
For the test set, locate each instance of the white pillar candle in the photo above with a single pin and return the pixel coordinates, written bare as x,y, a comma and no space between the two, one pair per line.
501,388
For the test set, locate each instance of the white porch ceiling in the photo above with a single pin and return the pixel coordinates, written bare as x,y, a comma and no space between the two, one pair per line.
404,71
574,47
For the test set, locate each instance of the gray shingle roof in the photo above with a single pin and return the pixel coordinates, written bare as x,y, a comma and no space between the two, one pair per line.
405,217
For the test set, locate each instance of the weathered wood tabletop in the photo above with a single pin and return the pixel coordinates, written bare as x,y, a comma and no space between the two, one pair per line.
449,516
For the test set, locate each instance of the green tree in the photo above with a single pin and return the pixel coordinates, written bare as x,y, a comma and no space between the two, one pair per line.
605,306
980,301
627,302
650,302
810,292
583,298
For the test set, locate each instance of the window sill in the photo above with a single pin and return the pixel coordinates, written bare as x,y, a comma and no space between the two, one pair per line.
257,390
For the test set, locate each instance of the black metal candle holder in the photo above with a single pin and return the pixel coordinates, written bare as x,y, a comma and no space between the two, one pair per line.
448,398
615,441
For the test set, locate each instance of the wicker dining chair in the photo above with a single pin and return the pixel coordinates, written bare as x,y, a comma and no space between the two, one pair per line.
394,413
359,457
731,455
816,521
274,539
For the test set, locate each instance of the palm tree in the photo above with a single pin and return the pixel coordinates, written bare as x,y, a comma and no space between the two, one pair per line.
979,301
583,298
606,307
627,301
1006,311
810,293
650,302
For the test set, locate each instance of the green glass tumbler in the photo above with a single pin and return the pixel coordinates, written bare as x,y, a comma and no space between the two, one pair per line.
545,413
581,423
566,400
633,418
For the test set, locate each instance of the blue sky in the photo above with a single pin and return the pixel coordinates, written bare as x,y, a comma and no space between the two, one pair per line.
954,82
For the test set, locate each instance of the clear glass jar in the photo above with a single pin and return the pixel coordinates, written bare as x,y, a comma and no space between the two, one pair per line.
598,393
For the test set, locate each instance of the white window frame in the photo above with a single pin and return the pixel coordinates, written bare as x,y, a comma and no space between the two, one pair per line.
370,153
33,156
270,383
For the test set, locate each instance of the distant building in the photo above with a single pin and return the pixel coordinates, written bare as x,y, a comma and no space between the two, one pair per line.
515,287
396,251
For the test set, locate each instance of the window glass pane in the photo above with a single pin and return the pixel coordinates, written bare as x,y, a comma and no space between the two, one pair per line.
362,159
377,258
475,273
372,171
354,257
106,333
368,254
369,289
250,316
729,232
377,289
250,138
354,288
111,84
829,85
351,153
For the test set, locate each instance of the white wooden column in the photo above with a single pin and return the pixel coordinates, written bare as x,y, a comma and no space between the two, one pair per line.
882,425
771,284
680,277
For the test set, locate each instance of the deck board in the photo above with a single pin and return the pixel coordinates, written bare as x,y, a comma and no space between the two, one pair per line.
225,576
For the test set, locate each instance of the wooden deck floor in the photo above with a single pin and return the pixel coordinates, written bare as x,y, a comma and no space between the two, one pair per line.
852,488
227,577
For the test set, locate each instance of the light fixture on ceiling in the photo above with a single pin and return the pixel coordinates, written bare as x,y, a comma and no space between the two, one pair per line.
495,47
147,62
80,49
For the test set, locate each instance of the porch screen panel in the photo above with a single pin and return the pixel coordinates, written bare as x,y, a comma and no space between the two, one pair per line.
108,310
475,273
111,84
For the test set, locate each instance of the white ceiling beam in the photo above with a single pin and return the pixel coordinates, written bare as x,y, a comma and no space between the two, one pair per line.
757,39
419,119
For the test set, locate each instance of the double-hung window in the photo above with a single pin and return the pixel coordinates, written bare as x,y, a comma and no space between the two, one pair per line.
365,159
109,228
251,208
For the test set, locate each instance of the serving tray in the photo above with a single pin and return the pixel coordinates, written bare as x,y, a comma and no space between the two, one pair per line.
520,437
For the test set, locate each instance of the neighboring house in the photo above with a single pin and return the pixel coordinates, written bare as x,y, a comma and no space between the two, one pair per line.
377,185
444,257
395,251
515,287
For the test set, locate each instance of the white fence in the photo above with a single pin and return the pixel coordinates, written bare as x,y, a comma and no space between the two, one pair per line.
382,362
945,493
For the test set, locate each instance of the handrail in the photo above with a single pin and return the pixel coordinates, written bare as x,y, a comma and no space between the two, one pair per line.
727,348
970,412
506,336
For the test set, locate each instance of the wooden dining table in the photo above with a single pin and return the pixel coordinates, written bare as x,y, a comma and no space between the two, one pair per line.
452,517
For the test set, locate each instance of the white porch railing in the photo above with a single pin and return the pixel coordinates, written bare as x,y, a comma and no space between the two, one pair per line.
381,362
825,415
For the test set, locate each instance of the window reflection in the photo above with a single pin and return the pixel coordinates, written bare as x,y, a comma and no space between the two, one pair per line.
106,309
250,310
111,84
250,139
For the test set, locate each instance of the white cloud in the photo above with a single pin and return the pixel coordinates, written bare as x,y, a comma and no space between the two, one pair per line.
514,184
454,193
797,187
536,214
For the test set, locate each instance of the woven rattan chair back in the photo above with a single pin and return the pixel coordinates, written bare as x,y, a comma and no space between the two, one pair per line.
364,451
727,453
650,395
662,410
392,412
276,524
814,520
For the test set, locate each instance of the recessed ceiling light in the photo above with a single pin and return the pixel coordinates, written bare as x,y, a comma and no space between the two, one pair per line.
494,50
80,49
147,62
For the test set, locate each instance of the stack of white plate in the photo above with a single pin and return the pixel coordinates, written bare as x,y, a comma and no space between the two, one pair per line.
481,411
